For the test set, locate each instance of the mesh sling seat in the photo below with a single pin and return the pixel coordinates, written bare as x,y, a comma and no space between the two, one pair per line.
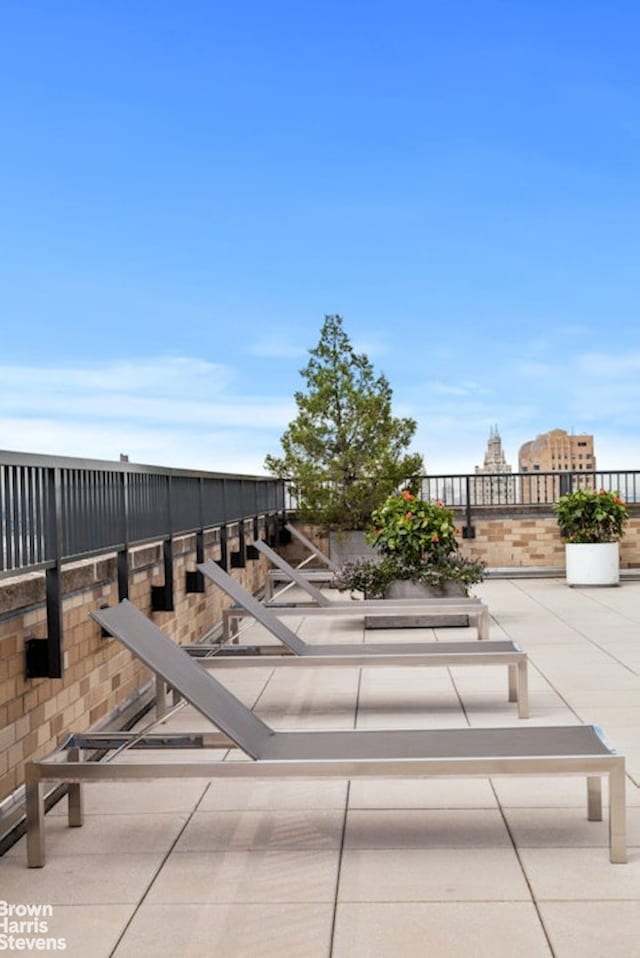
304,653
383,753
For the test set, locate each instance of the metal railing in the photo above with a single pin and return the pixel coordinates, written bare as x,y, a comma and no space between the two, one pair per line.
525,488
54,511
540,489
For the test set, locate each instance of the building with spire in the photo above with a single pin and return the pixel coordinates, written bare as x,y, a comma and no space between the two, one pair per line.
495,486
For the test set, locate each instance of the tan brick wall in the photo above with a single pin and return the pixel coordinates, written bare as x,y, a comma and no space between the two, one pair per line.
99,675
36,714
505,541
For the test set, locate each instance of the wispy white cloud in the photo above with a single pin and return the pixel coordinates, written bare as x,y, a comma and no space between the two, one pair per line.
611,366
171,411
462,389
278,346
161,375
372,344
536,370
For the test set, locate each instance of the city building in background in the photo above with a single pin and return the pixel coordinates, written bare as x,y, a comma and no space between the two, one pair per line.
556,451
494,484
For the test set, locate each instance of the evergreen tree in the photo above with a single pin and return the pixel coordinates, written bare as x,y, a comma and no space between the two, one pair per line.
345,452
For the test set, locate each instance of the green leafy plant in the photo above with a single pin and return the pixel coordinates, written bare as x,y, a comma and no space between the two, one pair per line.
418,542
590,515
407,526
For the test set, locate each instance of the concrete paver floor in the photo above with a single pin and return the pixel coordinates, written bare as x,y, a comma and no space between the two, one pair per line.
441,869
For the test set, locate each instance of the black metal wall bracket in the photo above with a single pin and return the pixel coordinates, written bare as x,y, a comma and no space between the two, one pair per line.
194,581
36,658
162,595
468,532
161,601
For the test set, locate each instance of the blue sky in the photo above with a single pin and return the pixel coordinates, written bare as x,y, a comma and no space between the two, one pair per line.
187,189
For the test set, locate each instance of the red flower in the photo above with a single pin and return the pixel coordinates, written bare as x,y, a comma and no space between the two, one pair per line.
409,515
406,495
434,538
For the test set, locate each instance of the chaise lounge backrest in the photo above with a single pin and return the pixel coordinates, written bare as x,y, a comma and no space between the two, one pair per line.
251,605
296,575
310,546
177,668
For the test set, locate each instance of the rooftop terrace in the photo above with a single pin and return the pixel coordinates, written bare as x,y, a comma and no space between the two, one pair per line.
445,868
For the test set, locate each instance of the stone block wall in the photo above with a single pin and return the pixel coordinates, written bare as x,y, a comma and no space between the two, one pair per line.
101,678
103,683
503,540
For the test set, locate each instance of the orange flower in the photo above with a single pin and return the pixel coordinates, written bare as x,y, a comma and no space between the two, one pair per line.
409,515
434,538
440,504
406,495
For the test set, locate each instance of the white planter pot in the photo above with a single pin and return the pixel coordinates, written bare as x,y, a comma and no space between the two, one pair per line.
592,563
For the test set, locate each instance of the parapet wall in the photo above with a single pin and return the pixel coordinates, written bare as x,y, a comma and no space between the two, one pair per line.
102,681
514,541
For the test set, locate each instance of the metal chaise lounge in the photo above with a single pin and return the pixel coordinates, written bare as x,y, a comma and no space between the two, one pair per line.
383,753
379,613
356,654
315,552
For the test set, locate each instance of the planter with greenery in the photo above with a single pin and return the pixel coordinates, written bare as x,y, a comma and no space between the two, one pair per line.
417,543
592,522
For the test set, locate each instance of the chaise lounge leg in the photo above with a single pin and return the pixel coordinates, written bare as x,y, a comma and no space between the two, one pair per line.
617,814
75,798
483,624
523,689
161,697
513,684
594,798
35,818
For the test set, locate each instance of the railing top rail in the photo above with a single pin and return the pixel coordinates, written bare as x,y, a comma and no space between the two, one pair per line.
10,458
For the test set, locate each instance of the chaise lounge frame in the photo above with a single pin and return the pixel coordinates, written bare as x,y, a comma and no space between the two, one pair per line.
385,753
357,654
315,552
381,613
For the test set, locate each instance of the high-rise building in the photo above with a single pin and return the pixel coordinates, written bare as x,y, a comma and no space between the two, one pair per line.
495,487
555,451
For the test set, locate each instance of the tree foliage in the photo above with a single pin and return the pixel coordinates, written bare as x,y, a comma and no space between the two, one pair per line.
345,452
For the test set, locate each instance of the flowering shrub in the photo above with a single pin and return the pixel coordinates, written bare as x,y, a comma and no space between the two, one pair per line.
412,528
417,541
590,515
